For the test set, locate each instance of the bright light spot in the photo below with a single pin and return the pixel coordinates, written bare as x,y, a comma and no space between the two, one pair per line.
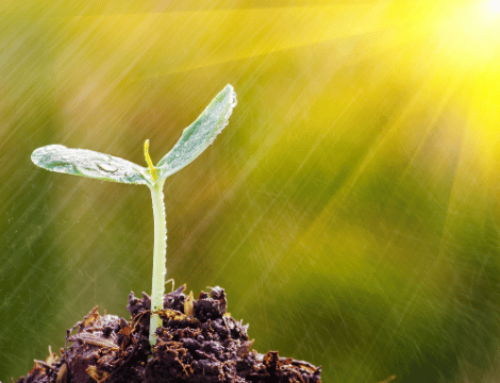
495,5
471,34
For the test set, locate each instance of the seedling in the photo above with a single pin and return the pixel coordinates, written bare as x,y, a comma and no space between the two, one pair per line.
194,140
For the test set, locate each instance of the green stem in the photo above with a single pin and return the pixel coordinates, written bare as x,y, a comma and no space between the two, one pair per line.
159,259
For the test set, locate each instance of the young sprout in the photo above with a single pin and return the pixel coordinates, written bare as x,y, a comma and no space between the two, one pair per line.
194,140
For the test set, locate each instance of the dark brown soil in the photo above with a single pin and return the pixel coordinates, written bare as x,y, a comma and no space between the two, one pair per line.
198,343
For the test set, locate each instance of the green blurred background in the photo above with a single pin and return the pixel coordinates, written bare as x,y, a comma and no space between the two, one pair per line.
350,209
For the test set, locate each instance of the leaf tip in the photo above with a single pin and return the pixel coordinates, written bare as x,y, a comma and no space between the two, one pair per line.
232,94
39,154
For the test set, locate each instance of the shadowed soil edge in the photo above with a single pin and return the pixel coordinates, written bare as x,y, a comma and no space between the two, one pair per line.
199,342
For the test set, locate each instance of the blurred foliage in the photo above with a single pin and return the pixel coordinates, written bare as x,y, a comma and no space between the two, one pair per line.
350,209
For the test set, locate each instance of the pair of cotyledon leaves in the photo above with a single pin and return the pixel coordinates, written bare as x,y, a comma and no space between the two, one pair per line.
194,140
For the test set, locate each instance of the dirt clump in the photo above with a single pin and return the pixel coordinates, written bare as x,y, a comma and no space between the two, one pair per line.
198,343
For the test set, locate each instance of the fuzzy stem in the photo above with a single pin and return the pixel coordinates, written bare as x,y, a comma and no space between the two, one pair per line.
159,259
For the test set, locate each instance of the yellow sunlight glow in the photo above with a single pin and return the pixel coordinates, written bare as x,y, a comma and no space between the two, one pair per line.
471,34
495,5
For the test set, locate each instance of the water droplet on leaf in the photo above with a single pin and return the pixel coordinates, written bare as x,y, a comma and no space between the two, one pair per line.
107,167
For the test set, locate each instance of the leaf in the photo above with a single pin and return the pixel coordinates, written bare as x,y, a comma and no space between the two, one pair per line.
87,163
200,134
93,373
189,305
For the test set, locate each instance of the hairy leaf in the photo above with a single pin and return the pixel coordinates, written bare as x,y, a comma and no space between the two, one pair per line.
87,163
200,134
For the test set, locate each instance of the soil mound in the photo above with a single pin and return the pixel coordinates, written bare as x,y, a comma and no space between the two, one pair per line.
198,343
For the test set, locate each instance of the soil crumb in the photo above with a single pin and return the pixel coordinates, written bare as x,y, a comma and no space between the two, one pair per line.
198,343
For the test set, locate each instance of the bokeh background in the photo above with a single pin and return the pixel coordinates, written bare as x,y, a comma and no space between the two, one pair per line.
350,209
